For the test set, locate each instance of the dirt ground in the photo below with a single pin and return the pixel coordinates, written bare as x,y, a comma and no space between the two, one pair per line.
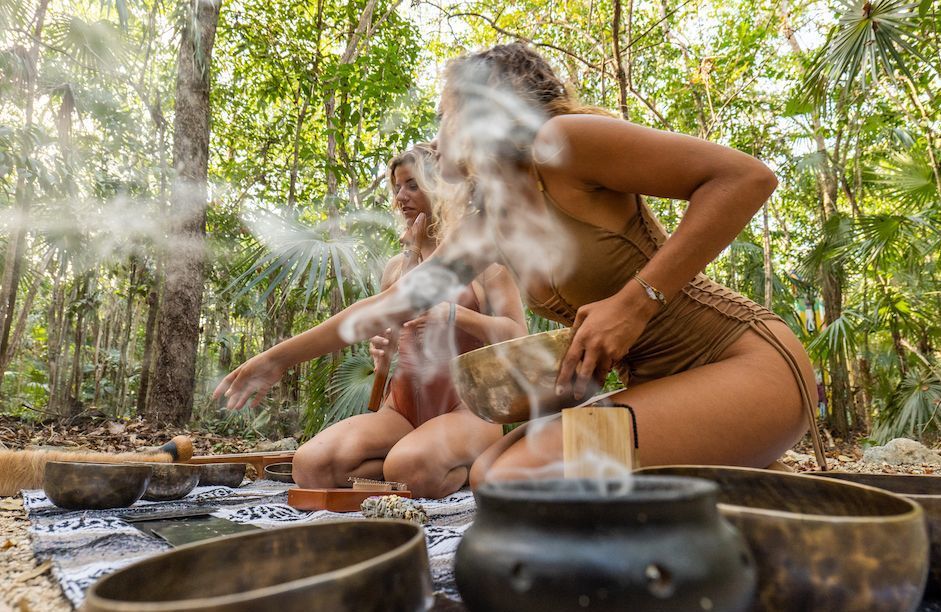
27,585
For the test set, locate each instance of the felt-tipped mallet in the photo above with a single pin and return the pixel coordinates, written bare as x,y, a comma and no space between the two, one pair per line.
24,469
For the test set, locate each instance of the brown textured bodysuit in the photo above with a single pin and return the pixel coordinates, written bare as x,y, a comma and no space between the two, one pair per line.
694,329
421,387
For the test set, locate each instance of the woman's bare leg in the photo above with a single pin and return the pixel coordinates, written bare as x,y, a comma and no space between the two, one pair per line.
435,459
744,409
353,447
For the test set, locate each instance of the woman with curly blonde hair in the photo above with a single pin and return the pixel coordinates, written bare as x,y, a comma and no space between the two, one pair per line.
421,434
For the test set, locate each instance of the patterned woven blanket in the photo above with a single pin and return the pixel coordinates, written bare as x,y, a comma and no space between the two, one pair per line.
86,545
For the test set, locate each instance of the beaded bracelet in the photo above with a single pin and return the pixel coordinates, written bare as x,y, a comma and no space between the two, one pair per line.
652,292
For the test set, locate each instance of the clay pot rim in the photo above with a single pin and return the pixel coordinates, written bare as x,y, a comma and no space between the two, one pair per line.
667,488
744,512
93,599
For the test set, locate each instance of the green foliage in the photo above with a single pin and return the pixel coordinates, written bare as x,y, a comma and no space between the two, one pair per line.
305,118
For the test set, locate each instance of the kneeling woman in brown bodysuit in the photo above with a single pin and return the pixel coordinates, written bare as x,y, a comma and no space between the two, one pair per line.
421,435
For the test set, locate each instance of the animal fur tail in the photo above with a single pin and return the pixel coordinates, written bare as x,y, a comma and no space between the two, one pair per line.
24,469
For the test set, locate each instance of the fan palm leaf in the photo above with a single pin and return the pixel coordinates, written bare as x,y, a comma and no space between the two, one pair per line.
888,241
912,408
290,254
839,336
909,178
94,46
870,35
350,385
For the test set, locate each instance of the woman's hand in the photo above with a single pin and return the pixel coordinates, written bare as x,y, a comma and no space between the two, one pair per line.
604,332
379,350
414,233
254,377
437,315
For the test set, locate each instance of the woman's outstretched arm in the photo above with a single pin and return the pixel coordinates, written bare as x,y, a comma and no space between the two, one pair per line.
435,280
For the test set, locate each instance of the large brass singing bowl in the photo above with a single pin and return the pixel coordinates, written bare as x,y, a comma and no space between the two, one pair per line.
822,544
514,381
334,566
78,485
925,490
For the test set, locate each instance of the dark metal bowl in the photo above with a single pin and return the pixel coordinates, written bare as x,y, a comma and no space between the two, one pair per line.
171,481
925,490
336,566
224,474
822,544
94,486
281,472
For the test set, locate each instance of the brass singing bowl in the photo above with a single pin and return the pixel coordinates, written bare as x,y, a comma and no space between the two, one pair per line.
222,474
822,544
922,489
280,472
514,381
171,481
333,566
78,485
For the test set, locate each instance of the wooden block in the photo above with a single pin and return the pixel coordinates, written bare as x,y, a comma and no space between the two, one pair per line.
335,500
597,442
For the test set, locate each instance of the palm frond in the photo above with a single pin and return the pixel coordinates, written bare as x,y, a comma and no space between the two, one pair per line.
912,408
350,385
94,46
885,241
832,247
292,254
870,35
840,336
909,178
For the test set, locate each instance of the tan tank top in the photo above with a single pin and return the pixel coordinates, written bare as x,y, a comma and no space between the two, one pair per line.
695,328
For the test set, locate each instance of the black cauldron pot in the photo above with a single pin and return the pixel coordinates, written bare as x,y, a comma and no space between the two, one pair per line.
650,543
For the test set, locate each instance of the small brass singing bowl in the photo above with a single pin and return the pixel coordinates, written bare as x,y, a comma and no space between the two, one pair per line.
171,481
75,485
514,381
222,474
280,472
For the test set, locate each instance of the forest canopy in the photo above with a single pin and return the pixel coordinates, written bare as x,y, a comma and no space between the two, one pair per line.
139,265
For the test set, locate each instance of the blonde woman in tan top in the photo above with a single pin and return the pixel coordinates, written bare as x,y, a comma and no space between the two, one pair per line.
554,191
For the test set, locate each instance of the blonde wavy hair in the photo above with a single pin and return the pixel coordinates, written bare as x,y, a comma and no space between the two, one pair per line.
423,161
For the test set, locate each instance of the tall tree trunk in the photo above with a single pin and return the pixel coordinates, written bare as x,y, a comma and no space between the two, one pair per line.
171,394
22,321
149,332
16,244
54,326
126,339
766,250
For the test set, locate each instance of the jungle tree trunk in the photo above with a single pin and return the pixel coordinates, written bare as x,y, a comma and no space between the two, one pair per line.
16,245
121,382
149,333
171,393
